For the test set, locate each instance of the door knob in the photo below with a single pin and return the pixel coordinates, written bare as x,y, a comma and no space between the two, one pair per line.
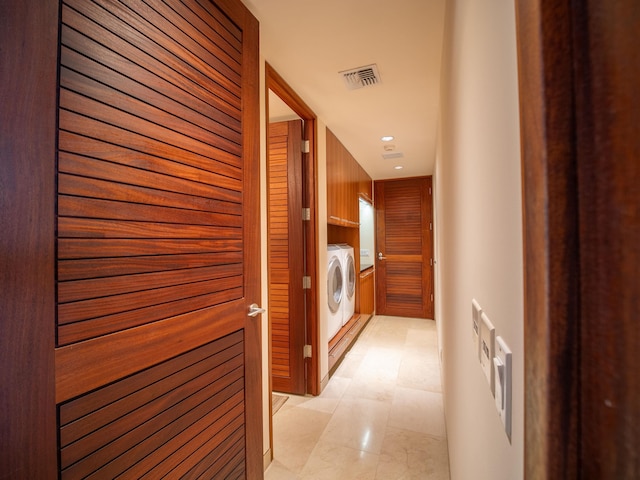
255,310
381,257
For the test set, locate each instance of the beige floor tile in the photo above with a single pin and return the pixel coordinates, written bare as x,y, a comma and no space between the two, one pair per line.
366,389
332,462
296,431
424,338
408,455
359,424
349,365
418,411
328,400
380,417
277,471
380,364
417,372
389,336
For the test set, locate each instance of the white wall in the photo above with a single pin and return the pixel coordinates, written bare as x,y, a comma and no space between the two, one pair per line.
479,233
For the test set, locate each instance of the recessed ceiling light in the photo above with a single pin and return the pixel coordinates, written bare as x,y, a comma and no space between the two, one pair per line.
387,138
398,167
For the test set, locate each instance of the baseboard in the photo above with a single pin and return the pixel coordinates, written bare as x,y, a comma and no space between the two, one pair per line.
267,458
324,382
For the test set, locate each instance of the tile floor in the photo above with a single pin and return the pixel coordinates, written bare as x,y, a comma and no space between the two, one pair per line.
380,416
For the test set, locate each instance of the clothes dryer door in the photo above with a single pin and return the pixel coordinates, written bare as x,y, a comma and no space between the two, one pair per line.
335,293
350,275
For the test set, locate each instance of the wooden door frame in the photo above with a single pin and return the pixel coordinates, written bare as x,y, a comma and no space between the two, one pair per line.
28,133
578,76
275,83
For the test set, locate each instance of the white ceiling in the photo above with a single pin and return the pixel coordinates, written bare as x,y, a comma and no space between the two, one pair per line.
308,42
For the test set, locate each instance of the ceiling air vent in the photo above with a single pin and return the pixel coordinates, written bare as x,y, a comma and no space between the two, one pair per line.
391,156
361,77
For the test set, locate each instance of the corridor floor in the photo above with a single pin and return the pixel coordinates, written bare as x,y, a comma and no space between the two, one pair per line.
380,416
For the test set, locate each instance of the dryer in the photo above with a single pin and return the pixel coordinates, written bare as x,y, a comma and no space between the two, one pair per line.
335,290
349,282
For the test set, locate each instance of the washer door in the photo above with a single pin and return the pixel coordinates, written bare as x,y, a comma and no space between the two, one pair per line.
351,277
334,284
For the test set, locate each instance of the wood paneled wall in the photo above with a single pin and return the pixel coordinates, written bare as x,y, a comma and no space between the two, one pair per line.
346,180
366,305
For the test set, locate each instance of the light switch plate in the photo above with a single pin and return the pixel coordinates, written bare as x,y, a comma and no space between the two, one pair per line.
487,339
476,311
502,374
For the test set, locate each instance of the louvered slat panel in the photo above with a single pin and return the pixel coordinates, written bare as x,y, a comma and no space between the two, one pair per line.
124,427
102,325
278,209
155,113
148,166
403,221
133,30
85,268
94,307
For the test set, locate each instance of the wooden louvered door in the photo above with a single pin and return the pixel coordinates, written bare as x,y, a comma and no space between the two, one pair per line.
286,257
157,363
404,243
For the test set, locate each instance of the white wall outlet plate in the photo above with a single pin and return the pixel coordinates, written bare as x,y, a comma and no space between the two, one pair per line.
476,311
502,374
487,339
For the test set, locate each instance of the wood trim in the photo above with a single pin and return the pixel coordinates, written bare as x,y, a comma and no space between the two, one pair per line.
28,33
550,235
275,83
578,77
607,135
253,293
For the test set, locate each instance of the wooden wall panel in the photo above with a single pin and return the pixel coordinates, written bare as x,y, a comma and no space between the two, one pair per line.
367,292
343,184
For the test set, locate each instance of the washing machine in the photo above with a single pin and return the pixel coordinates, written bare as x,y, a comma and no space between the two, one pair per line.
349,282
335,290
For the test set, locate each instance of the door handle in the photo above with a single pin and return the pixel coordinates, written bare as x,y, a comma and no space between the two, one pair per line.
255,310
381,257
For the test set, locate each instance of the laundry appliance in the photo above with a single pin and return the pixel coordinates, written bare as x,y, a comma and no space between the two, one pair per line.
349,282
335,290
